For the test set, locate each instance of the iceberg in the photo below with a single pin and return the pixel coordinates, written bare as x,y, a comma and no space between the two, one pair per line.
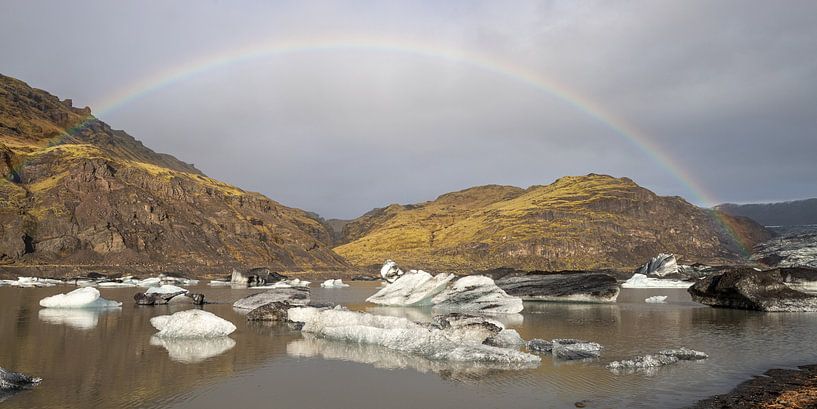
390,272
15,380
85,297
642,281
293,296
150,282
30,282
218,283
562,287
656,299
647,363
192,324
479,294
572,349
416,288
460,341
284,284
165,289
507,338
337,283
660,266
193,350
115,284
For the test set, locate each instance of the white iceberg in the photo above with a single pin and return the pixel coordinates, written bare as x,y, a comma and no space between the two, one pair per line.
150,282
459,343
656,299
115,284
30,282
477,293
337,283
192,324
390,272
219,283
165,289
642,281
413,289
193,350
294,283
85,297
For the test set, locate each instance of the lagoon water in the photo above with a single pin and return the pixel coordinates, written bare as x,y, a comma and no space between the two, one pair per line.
107,359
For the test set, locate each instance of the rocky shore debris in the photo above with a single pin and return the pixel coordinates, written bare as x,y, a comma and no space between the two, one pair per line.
749,289
777,388
85,297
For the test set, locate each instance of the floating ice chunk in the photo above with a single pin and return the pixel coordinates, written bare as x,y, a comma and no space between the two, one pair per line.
218,283
540,346
15,380
115,284
685,354
664,357
656,299
642,281
193,350
660,266
400,334
192,324
29,282
412,289
85,297
337,283
476,293
150,282
293,296
572,349
165,289
390,272
507,338
294,283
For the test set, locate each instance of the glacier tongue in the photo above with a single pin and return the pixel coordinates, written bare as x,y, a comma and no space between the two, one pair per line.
412,289
460,343
476,294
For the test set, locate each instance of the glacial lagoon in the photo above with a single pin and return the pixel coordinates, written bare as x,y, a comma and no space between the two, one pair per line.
109,358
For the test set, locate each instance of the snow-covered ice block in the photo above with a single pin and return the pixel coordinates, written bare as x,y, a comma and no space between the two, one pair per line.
192,324
656,299
85,297
412,289
478,294
390,272
337,283
642,281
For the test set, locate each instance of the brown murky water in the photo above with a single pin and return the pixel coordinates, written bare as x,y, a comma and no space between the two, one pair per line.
106,358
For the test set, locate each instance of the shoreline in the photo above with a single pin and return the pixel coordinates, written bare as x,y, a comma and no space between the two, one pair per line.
774,389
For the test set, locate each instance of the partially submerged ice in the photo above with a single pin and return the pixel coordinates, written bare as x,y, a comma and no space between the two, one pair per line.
459,341
642,281
574,349
416,288
85,297
15,380
656,299
165,289
290,295
390,271
565,287
336,283
192,324
476,294
652,361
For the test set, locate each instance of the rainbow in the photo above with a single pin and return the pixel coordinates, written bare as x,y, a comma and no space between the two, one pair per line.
628,131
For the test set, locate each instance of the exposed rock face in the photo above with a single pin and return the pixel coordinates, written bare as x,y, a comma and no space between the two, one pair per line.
752,290
798,249
581,287
292,295
73,189
587,223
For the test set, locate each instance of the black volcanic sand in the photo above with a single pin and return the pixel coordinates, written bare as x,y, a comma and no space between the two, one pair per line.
777,388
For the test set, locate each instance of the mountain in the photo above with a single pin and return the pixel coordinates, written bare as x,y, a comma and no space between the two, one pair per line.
793,213
577,222
74,191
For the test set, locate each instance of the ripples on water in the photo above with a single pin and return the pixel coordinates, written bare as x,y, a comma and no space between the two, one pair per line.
109,358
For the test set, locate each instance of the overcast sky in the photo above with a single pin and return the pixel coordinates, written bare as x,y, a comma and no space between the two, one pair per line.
727,89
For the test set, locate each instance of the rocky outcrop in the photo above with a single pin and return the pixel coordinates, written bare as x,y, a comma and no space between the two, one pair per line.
578,222
74,190
571,287
752,290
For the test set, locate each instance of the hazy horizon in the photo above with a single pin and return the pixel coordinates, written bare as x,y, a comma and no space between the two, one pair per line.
340,108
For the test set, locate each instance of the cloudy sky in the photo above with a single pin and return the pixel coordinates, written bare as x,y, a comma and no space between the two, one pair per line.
339,107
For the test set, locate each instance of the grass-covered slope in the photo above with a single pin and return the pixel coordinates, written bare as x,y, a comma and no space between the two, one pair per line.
586,222
74,191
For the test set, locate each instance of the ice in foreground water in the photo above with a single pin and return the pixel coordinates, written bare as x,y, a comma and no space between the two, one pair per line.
85,297
656,299
412,289
192,324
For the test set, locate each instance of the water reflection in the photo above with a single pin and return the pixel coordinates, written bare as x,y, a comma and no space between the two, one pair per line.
191,351
384,358
81,319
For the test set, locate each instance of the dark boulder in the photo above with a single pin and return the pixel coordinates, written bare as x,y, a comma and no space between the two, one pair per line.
750,289
578,286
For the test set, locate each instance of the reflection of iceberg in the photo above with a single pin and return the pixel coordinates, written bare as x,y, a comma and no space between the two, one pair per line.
381,357
78,318
190,351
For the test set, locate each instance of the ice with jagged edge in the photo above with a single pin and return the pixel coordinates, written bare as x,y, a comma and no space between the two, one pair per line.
476,294
458,343
85,297
294,283
642,281
390,271
336,283
15,380
575,349
656,299
648,363
29,282
192,324
165,289
193,350
415,288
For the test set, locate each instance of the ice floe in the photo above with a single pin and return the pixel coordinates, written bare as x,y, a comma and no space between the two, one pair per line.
30,282
413,289
648,363
507,338
85,297
165,289
660,266
476,294
15,380
291,295
337,283
192,324
193,350
642,281
656,299
460,343
573,349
